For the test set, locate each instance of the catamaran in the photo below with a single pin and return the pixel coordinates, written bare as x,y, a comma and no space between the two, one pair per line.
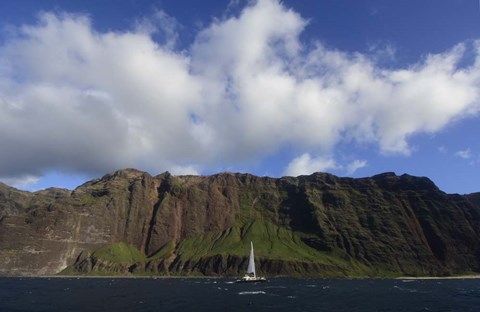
251,275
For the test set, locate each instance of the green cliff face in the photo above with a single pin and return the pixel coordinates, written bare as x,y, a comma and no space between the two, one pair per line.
318,225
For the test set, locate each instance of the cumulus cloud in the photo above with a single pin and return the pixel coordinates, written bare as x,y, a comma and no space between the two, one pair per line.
75,99
305,164
355,165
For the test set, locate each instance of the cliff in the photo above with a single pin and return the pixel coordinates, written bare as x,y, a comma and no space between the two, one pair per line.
317,225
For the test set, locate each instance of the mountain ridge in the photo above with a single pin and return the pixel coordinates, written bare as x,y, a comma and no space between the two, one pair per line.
320,225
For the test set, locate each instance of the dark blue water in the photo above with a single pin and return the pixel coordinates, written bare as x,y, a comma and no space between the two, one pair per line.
92,294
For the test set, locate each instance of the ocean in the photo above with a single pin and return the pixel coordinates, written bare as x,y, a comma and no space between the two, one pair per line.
203,294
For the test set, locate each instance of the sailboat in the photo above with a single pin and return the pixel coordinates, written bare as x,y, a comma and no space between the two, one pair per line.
251,276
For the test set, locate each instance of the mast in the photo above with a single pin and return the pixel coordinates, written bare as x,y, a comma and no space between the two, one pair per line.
251,262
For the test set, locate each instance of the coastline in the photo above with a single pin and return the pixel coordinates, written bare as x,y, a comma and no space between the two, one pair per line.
110,277
439,277
456,277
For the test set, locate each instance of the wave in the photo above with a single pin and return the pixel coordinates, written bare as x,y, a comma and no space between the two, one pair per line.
259,292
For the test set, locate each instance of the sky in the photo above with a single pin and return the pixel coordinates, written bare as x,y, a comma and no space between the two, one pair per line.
273,88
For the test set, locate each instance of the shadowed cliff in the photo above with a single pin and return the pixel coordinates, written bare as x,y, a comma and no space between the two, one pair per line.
317,225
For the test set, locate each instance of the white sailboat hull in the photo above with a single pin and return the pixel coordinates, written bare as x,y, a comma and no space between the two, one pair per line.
250,279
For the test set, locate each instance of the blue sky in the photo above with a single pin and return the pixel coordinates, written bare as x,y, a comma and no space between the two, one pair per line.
268,87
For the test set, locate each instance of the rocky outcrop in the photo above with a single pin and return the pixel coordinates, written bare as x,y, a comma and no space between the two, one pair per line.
318,225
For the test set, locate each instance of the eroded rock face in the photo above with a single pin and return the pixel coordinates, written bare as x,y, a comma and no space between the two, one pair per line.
396,223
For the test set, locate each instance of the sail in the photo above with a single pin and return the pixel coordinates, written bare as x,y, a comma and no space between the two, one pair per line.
251,262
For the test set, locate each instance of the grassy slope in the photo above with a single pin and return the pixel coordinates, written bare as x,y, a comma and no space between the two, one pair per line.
270,243
120,253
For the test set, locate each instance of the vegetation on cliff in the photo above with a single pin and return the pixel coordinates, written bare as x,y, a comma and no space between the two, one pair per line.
129,222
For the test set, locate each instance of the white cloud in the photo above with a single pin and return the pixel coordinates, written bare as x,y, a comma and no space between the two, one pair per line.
163,26
184,170
465,154
305,164
73,98
93,102
355,165
21,181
